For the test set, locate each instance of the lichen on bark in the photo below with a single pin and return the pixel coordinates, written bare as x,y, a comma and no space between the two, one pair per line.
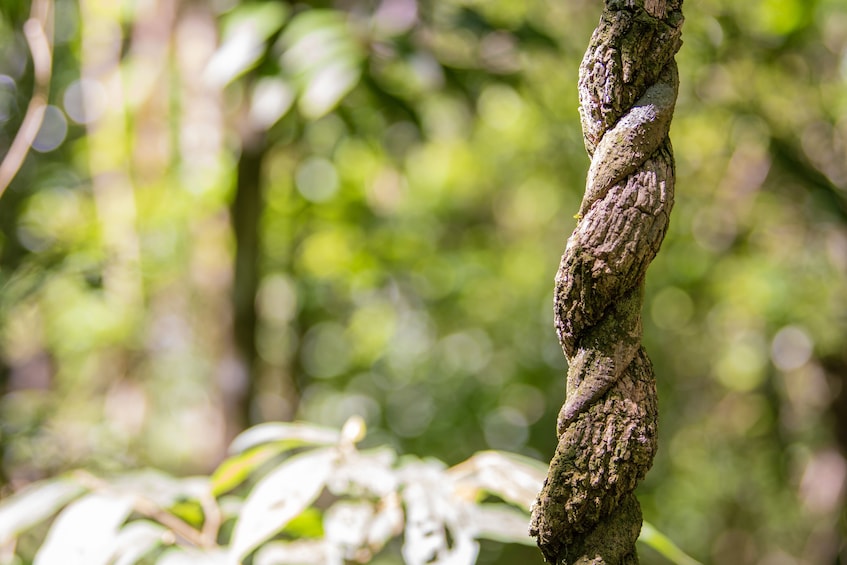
586,513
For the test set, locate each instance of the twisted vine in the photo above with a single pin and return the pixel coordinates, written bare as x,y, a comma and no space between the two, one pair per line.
586,512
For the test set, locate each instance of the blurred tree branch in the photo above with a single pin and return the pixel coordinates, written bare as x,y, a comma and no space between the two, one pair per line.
38,30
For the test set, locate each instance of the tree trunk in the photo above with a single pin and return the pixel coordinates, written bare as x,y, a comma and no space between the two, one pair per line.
246,215
586,513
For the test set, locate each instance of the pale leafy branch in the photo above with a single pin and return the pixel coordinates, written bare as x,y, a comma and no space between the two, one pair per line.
289,493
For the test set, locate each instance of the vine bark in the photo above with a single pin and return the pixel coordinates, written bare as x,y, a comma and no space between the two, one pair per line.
586,512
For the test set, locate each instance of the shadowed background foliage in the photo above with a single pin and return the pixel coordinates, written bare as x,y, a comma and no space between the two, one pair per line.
241,212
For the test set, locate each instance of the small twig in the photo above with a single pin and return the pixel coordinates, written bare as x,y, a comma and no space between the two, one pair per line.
7,550
152,510
212,519
40,46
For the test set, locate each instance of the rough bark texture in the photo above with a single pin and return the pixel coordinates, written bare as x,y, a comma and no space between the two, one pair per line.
586,513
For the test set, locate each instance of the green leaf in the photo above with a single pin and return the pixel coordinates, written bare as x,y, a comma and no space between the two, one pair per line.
263,18
189,511
308,22
278,497
35,504
309,524
658,541
235,470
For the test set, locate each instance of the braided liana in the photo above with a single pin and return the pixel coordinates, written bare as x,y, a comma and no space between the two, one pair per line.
586,512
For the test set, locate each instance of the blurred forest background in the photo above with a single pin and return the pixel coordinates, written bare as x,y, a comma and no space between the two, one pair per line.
242,212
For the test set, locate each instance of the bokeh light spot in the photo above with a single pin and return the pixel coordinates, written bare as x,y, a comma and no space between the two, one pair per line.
8,104
500,107
53,130
394,17
671,308
326,254
505,428
791,348
84,100
277,299
326,351
409,411
466,352
742,366
316,179
525,398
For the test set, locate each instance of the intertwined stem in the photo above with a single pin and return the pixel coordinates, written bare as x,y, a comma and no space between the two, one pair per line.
586,512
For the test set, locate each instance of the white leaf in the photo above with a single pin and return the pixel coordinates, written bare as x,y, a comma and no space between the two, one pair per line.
230,506
464,551
246,29
315,38
84,533
161,488
327,86
304,552
34,504
367,472
238,53
281,495
387,523
315,48
301,552
512,477
272,98
180,556
135,540
323,55
277,431
502,523
346,524
431,512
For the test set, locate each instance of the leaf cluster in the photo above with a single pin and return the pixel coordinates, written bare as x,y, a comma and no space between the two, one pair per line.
288,493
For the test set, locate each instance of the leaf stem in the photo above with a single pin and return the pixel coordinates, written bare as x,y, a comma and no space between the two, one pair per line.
36,30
